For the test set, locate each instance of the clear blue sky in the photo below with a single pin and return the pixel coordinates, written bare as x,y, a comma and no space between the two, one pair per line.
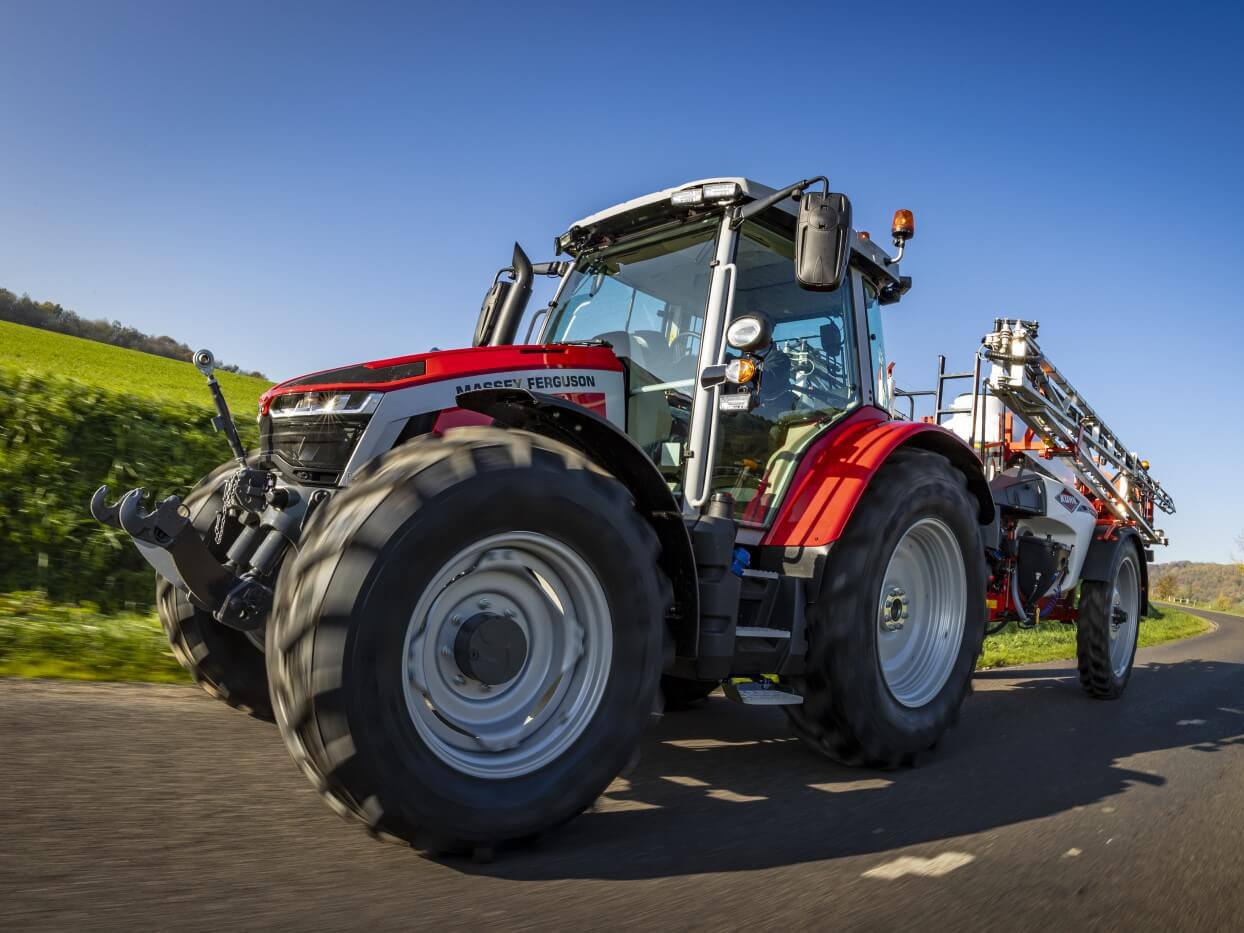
302,185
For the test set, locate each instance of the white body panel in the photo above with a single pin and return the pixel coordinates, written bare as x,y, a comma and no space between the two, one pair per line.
397,406
1070,520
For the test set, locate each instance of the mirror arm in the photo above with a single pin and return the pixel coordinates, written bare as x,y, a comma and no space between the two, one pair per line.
755,207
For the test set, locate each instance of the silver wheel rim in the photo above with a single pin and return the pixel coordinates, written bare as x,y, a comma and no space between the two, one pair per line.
1124,616
921,613
511,728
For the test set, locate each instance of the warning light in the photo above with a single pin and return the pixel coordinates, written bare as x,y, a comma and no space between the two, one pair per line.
864,235
904,225
741,370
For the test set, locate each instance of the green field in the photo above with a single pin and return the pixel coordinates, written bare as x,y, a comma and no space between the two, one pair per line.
115,369
1054,641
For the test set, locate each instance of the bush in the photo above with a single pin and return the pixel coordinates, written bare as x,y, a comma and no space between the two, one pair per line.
60,439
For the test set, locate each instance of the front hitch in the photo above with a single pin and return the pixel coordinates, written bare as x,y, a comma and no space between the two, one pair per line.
168,541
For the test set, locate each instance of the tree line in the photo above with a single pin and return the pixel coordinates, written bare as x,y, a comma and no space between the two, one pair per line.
47,315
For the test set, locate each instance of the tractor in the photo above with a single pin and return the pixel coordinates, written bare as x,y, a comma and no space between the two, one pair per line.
463,581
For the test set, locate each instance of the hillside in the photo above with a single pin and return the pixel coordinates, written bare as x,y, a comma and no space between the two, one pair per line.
1219,585
114,369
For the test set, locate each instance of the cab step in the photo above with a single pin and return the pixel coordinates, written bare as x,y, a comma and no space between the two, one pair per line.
759,631
760,693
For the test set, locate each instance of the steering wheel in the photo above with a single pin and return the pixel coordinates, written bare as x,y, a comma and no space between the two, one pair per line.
680,356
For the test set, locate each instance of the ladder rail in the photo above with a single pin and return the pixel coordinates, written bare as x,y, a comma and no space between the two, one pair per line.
1031,387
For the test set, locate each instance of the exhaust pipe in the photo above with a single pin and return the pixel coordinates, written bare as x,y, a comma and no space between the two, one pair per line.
504,327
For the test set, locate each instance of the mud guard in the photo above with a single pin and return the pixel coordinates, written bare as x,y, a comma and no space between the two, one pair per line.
612,450
1100,559
836,469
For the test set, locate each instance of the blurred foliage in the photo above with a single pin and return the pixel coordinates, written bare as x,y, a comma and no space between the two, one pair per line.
60,439
48,315
41,639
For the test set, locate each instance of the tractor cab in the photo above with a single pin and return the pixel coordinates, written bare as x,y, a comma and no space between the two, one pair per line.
733,364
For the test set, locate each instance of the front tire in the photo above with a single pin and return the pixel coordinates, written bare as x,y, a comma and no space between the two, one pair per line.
894,635
466,649
222,660
1108,626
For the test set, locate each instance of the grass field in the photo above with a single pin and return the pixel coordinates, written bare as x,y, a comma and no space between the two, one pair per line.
42,639
1054,641
119,370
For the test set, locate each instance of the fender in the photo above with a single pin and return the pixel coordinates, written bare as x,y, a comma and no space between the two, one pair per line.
614,451
837,467
1100,558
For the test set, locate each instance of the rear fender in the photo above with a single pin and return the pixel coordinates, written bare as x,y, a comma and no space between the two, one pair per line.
611,449
1099,562
836,469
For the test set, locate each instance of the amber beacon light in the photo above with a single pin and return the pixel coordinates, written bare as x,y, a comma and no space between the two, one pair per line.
904,227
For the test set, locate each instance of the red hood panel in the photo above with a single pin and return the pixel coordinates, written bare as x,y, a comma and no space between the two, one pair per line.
401,371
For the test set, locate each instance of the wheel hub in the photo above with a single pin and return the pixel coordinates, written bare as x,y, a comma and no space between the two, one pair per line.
490,648
895,608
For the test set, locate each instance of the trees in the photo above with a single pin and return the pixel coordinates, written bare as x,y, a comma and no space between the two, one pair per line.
1165,588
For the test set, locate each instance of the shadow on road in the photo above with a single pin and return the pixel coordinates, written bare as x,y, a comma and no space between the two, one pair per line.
726,788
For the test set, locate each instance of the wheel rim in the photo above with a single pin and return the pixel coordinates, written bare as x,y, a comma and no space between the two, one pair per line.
921,613
507,655
1124,616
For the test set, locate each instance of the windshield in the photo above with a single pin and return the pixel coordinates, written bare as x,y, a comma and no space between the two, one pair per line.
646,299
808,379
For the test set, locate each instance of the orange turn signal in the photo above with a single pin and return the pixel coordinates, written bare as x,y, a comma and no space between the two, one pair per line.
904,225
741,370
864,235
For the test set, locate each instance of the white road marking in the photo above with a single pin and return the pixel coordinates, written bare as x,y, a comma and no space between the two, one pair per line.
1072,852
684,781
934,867
730,796
842,787
1191,722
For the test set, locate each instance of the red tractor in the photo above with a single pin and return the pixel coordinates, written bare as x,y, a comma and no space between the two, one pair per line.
462,581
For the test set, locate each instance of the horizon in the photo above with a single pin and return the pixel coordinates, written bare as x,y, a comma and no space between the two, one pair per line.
299,188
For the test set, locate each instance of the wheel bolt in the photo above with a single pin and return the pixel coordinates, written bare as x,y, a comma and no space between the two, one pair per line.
459,679
484,603
485,687
455,620
445,651
510,613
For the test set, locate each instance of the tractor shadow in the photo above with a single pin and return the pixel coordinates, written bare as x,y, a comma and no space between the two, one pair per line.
727,788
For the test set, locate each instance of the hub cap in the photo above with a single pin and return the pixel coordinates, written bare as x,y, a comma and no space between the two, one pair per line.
1124,616
921,615
507,655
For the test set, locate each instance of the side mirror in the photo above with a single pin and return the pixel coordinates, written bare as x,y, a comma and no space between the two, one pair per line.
822,240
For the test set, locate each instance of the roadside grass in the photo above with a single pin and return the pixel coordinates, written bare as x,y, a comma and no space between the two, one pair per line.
39,638
1056,641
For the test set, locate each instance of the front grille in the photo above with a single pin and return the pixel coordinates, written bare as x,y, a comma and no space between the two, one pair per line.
313,449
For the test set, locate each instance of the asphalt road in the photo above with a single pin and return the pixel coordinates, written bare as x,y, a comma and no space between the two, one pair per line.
152,807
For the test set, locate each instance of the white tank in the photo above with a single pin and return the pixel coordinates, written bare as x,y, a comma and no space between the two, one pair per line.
1071,520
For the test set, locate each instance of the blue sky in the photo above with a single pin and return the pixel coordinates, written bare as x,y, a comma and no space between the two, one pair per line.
303,185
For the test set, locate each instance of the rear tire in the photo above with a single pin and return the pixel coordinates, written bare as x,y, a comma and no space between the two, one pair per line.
895,634
223,661
1108,626
378,697
680,693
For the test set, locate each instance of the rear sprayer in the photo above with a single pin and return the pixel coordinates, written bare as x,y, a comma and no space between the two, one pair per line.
462,581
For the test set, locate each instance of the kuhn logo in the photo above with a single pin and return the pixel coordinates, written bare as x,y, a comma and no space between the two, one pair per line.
1068,500
534,383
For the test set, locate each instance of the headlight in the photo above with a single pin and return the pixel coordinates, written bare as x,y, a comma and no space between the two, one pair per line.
324,403
750,332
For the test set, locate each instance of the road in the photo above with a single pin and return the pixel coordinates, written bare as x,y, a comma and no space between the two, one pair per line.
132,806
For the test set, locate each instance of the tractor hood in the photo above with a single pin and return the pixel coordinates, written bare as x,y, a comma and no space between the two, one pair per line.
460,366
